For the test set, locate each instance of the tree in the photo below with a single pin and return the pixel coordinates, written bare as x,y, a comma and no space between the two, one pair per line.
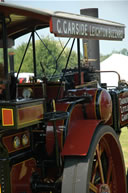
28,60
104,57
47,52
124,51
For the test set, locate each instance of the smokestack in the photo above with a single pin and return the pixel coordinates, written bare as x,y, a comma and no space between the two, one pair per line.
92,45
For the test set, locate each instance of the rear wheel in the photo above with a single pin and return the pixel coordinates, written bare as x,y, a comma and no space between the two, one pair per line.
101,171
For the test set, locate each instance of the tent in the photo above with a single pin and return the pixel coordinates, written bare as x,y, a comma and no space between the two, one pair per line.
118,63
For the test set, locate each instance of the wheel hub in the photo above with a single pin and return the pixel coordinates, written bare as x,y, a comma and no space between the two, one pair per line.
104,188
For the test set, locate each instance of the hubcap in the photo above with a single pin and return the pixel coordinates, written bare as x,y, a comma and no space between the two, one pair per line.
104,188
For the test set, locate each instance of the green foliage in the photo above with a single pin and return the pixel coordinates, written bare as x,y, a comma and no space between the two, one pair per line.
124,51
104,57
124,144
28,60
1,55
46,55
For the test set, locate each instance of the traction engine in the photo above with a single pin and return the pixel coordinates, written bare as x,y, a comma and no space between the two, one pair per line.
62,136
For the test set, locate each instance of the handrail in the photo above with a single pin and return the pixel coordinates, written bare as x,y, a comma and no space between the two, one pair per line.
108,71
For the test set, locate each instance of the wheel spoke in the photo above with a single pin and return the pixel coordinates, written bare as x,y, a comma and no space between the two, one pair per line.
93,187
94,172
99,172
109,171
100,164
95,168
110,186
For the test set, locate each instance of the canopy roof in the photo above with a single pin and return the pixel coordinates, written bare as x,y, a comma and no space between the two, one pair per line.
21,20
118,63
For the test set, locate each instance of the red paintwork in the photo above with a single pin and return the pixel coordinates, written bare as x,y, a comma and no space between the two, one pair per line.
100,106
80,132
79,137
103,104
21,176
60,127
8,141
52,89
7,117
50,25
76,78
37,91
30,114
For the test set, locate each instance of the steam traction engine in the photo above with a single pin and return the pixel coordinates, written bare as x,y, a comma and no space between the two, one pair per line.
60,136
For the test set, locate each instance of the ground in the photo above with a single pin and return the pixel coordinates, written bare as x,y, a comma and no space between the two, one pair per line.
124,144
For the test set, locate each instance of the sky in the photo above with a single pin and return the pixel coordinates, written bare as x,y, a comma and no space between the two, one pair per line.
116,10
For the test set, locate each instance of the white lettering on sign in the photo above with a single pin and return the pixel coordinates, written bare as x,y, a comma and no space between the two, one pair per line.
124,108
124,117
72,28
58,26
63,27
123,101
96,31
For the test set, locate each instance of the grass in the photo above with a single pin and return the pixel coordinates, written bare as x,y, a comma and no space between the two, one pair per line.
124,144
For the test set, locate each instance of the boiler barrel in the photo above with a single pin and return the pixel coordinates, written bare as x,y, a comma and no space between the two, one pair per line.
100,106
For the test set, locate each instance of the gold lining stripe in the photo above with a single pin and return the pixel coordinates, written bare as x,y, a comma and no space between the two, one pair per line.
33,120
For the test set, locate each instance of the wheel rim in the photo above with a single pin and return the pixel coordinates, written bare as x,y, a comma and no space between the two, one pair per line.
105,176
101,171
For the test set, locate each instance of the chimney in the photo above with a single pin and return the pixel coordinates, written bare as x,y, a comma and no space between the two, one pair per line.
92,45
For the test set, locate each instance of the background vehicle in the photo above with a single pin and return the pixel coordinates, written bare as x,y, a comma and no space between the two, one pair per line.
60,136
25,77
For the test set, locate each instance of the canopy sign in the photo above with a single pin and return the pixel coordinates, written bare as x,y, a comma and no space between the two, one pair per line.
82,29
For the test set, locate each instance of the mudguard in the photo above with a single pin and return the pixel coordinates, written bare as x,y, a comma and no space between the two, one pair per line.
79,137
